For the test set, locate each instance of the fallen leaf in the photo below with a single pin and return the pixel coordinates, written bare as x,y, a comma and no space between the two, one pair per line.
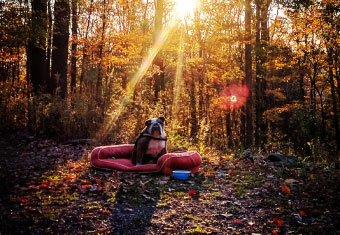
280,223
291,181
302,213
274,231
85,181
192,192
232,172
43,186
19,199
107,212
285,189
251,223
237,221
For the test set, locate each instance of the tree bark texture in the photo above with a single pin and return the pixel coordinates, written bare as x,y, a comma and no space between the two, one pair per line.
37,45
60,46
248,76
74,44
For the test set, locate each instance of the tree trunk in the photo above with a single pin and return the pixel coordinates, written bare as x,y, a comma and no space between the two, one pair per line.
193,112
262,38
49,47
100,70
258,100
159,82
60,46
37,45
85,56
74,44
248,76
334,100
229,129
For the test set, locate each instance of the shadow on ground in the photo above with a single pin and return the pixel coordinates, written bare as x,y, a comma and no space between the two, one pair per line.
135,203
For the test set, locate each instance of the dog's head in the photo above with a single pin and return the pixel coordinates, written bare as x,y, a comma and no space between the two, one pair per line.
155,126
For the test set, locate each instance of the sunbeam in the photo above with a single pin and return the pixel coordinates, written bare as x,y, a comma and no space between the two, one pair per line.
178,76
110,121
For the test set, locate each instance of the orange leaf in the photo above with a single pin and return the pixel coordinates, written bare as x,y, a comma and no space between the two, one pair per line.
280,223
19,199
232,172
85,181
285,189
274,231
107,212
302,213
43,186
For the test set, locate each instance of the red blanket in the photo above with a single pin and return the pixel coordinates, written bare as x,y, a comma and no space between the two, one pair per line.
117,157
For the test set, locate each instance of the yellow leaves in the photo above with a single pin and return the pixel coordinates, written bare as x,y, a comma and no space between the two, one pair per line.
278,95
275,113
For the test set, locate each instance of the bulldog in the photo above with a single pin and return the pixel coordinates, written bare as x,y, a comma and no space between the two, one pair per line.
151,143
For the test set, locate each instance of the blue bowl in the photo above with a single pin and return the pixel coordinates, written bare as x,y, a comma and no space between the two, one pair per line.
180,174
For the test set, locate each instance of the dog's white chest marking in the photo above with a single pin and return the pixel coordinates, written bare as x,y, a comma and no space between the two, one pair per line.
155,147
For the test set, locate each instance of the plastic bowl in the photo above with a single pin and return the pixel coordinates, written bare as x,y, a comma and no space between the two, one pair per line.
180,174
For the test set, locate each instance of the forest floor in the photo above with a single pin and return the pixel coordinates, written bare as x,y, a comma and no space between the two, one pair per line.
50,188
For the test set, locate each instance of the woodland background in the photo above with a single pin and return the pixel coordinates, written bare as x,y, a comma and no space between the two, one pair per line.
72,69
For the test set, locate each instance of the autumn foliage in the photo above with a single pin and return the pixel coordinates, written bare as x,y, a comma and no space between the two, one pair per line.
269,80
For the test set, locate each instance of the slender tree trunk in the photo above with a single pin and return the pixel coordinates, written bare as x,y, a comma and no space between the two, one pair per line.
258,90
262,38
193,112
60,45
37,45
337,69
49,48
229,129
84,52
248,76
74,44
100,70
158,78
334,100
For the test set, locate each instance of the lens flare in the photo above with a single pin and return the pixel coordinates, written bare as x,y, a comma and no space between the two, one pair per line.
233,97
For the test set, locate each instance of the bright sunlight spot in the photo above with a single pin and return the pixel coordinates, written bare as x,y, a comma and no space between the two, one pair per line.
185,8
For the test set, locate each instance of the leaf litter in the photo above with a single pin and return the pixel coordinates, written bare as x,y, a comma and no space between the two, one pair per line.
49,187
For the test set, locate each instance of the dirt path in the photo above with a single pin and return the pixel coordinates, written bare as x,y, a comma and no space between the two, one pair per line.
50,188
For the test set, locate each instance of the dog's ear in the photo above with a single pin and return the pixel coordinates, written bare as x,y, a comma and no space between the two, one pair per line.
162,119
147,123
